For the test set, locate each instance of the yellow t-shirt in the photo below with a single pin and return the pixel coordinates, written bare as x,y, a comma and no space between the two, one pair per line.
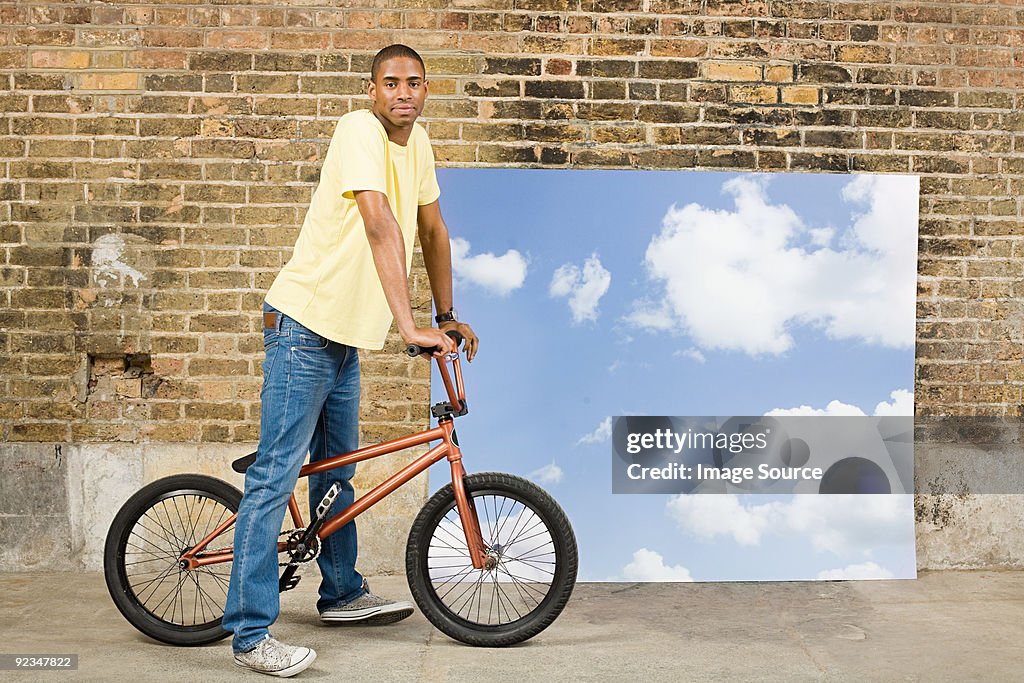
330,284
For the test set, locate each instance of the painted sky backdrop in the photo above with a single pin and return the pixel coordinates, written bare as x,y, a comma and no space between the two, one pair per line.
601,293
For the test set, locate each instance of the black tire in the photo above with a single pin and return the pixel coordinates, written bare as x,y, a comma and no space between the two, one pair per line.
516,516
140,561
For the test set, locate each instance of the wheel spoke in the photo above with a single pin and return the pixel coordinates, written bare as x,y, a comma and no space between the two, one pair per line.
463,593
163,551
527,538
507,600
522,585
472,590
528,559
507,517
455,584
172,594
157,534
149,585
219,580
528,526
168,524
517,587
153,559
204,599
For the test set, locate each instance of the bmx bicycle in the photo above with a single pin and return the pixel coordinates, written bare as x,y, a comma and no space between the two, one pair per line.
491,558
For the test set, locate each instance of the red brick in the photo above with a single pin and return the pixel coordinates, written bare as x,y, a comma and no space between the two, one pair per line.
241,40
304,40
34,37
169,38
684,49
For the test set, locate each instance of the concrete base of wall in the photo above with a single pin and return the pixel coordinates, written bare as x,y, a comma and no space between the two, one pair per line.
56,504
969,475
970,531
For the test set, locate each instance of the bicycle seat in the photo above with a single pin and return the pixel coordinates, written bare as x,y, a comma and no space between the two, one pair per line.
242,464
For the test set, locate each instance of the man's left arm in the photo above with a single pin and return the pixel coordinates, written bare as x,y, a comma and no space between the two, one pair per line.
437,256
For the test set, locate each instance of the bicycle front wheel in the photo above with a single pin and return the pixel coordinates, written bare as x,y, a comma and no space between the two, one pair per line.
533,549
140,559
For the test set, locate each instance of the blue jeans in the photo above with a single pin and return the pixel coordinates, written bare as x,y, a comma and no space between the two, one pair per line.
310,401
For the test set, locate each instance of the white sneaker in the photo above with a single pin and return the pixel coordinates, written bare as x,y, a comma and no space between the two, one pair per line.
369,609
273,657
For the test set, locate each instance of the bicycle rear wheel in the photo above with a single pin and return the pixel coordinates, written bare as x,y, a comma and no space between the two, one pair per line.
140,559
531,542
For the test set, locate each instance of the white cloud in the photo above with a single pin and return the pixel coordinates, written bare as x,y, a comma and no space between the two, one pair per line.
599,435
833,408
709,515
839,524
583,287
741,279
902,405
648,565
855,572
549,474
692,354
821,237
498,274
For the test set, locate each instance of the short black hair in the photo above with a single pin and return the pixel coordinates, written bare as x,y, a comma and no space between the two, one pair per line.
392,51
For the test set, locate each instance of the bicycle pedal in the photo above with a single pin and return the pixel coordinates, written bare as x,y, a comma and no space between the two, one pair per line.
328,500
286,584
320,516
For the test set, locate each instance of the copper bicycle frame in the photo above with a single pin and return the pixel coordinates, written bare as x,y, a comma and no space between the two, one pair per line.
448,447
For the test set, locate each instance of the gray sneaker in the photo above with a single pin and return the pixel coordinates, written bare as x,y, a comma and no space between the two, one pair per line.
368,609
273,657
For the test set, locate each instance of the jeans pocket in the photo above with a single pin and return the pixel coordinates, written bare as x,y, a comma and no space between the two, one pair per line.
270,337
307,340
269,356
300,337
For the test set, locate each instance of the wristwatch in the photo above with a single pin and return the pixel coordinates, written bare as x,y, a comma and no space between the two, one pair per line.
450,317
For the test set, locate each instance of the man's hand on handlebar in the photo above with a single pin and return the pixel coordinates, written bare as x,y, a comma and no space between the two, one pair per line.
432,337
472,342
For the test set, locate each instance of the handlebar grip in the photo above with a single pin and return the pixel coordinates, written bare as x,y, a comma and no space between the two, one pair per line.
414,350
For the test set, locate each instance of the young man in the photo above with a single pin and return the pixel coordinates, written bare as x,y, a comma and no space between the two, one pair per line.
345,282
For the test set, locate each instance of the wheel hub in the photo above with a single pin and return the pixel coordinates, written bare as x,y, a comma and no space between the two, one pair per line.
493,556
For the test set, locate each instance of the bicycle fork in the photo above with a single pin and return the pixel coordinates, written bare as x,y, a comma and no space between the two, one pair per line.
478,550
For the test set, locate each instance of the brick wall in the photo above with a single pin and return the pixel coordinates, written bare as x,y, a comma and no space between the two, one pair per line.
157,159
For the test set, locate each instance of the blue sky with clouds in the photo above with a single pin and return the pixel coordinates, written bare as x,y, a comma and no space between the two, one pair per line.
601,293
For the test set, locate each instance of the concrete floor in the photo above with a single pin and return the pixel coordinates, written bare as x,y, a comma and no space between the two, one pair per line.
944,626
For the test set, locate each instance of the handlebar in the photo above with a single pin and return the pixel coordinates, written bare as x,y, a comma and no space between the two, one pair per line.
414,350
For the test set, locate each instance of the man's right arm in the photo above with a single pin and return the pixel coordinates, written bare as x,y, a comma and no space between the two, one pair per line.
388,249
